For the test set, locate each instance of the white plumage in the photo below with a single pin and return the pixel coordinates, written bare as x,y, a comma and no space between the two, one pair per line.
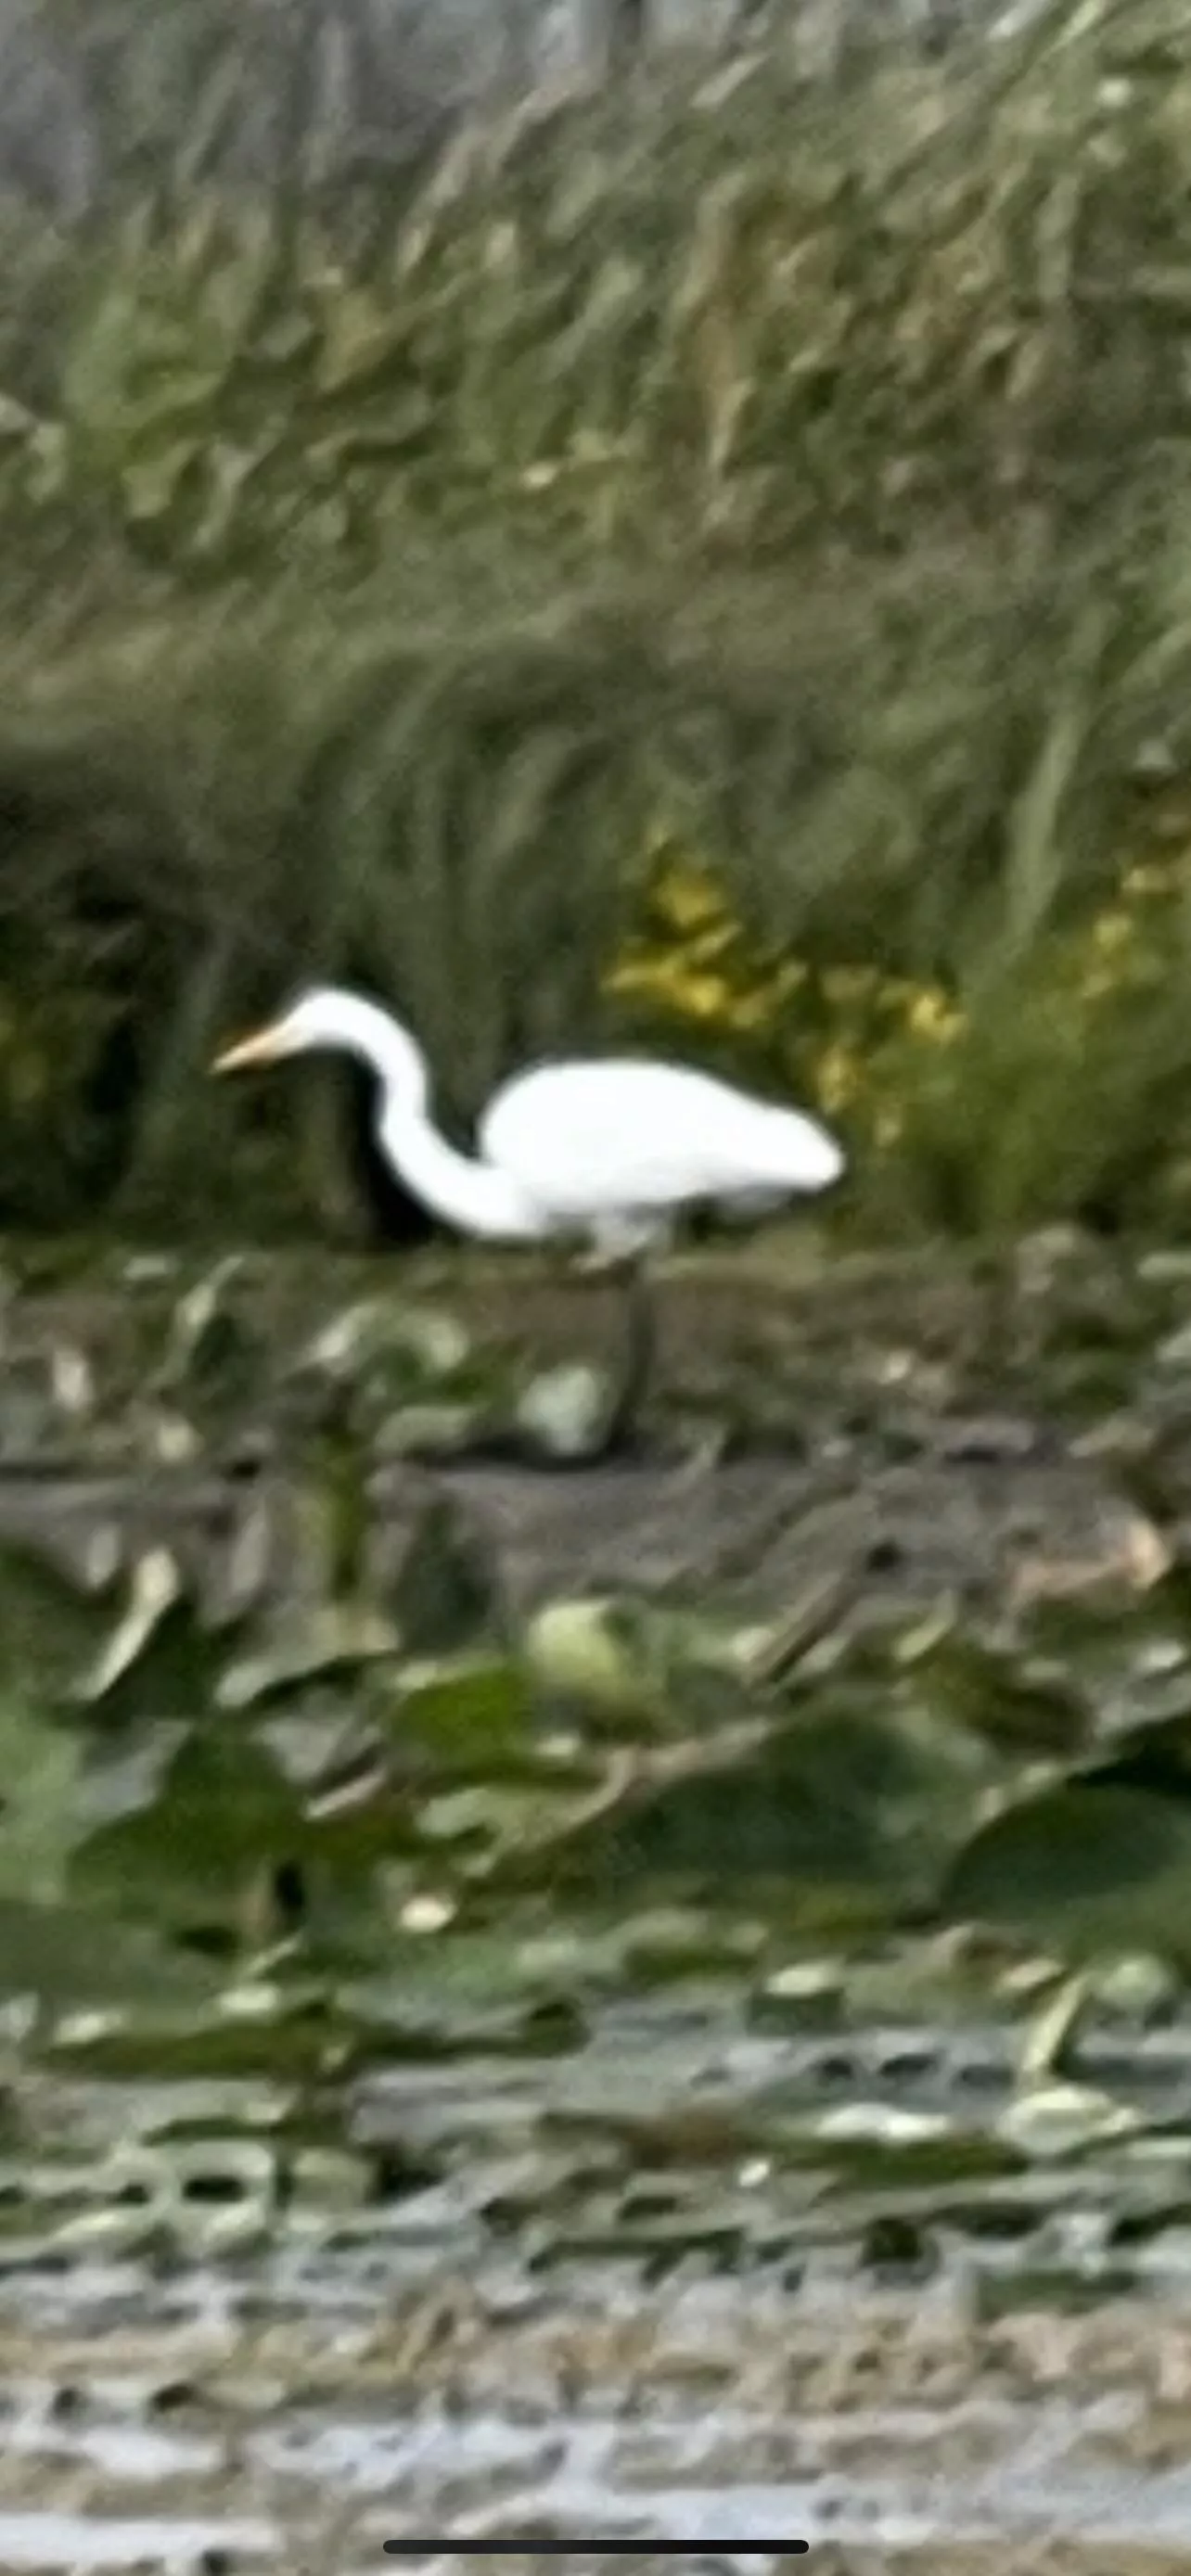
612,1150
618,1148
609,1148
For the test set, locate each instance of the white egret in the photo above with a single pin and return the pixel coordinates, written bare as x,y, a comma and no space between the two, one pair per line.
611,1149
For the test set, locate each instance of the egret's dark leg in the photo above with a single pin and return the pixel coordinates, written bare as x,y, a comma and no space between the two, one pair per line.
516,1448
640,1350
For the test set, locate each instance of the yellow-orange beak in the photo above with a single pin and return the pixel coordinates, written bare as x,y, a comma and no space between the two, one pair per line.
260,1048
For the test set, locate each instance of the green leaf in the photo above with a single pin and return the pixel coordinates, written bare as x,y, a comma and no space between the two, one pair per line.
40,1815
405,1348
446,1595
50,1620
852,1812
468,1711
221,1813
68,1958
564,1409
592,1655
1083,1870
1015,1700
1058,2120
161,1660
151,484
333,1641
211,1351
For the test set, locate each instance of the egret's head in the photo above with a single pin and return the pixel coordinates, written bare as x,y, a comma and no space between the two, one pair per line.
320,1017
325,1017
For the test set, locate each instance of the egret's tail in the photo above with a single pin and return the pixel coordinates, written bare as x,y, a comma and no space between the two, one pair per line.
806,1157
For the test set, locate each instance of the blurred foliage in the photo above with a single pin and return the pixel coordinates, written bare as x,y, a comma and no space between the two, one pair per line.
760,490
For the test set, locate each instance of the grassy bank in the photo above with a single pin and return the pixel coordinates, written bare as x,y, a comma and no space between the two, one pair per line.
712,562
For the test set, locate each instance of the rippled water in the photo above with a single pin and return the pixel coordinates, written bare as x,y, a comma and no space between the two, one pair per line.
717,2481
868,2362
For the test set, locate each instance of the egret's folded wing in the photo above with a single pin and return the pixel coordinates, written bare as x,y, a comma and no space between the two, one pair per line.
590,1139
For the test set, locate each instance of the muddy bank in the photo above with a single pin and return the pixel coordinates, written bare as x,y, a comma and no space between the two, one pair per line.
996,1506
894,1420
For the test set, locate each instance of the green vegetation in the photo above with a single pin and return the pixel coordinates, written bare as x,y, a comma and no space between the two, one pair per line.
789,475
334,1754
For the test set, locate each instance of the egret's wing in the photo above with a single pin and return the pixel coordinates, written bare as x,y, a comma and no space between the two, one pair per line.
591,1140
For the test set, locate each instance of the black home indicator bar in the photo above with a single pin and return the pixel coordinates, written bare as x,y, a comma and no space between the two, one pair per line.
603,2548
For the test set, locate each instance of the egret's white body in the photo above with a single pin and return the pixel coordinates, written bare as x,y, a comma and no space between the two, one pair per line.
610,1149
617,1148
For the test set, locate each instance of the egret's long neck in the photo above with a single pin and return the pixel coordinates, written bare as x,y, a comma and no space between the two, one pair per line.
466,1194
